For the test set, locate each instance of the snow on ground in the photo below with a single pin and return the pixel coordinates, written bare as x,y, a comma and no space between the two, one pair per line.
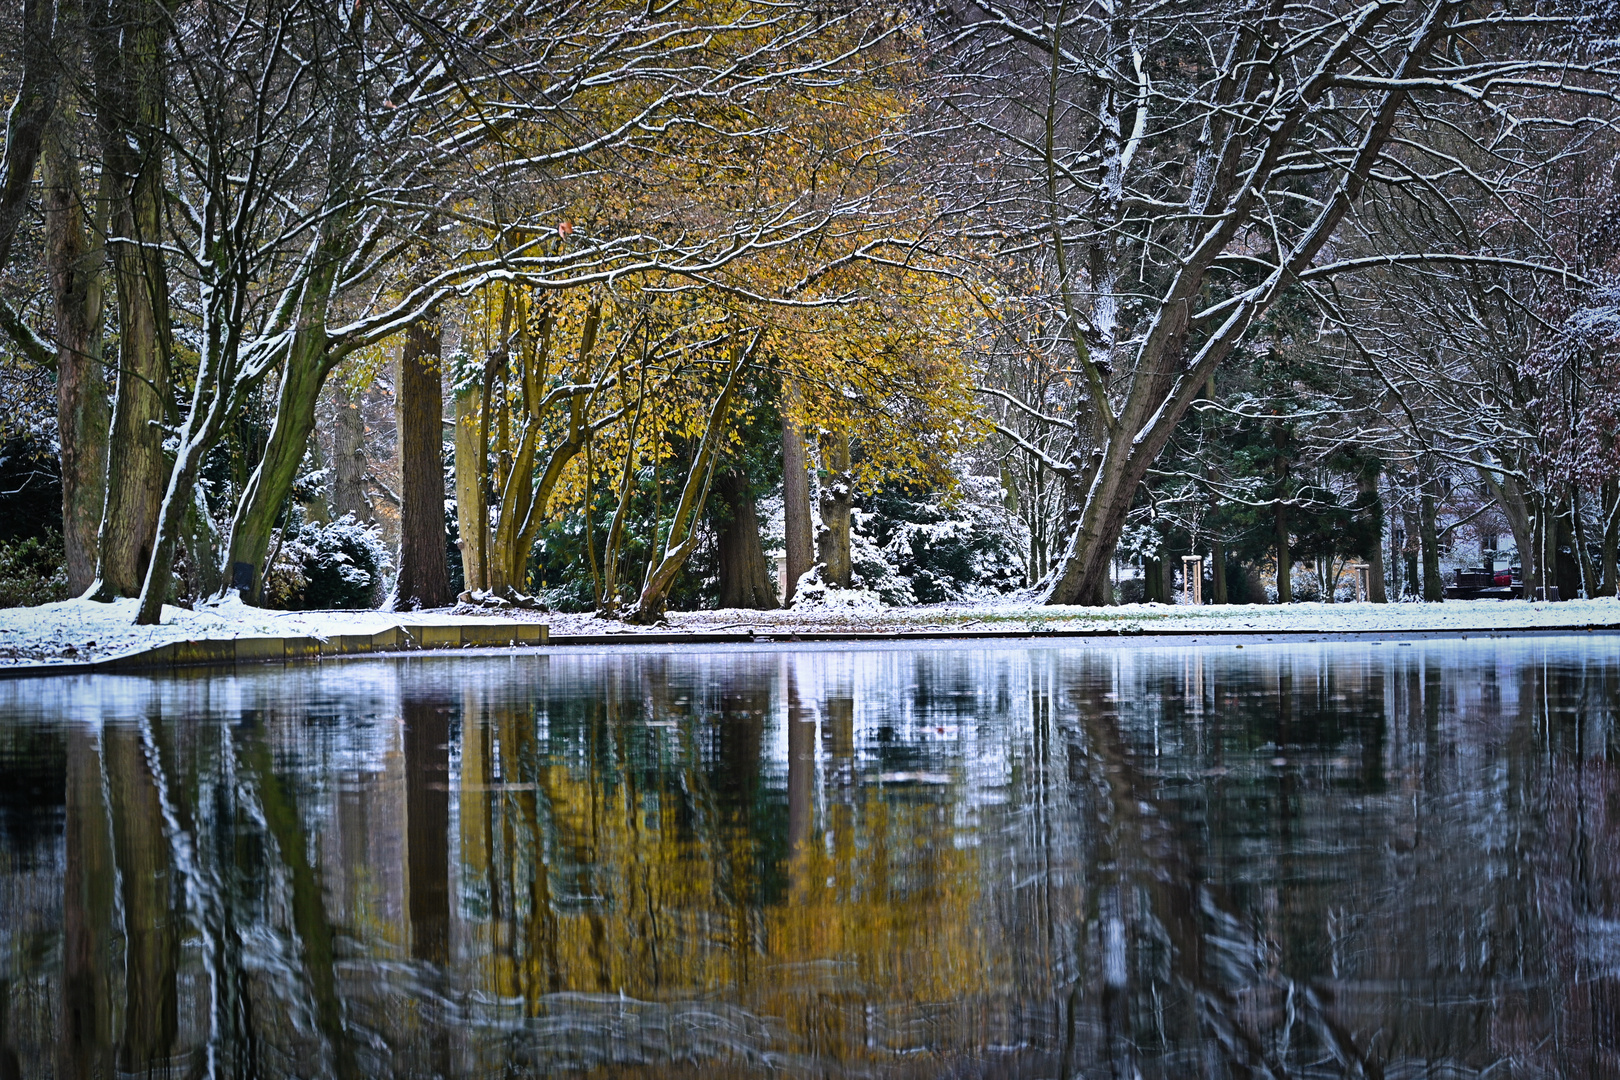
1019,615
77,630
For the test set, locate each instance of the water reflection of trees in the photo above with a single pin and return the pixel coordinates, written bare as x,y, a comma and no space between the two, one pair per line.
1289,862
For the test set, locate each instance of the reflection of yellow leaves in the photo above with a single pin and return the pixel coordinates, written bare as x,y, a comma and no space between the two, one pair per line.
617,888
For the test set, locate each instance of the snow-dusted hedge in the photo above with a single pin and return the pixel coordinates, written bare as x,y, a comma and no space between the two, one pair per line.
928,548
321,567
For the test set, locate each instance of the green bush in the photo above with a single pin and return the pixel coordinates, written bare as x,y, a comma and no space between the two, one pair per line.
320,567
32,571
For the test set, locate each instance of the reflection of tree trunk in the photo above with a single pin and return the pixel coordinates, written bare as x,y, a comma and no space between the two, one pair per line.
85,1045
1152,860
801,773
424,579
312,927
514,728
744,704
427,827
745,577
838,740
427,843
152,944
837,500
800,553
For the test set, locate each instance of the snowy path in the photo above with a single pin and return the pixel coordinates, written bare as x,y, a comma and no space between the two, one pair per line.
78,630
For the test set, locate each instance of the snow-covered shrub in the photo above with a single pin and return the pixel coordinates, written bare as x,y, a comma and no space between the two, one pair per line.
930,548
813,593
1307,590
32,571
871,570
924,548
319,567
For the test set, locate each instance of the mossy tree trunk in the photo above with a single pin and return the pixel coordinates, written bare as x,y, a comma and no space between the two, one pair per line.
75,260
131,76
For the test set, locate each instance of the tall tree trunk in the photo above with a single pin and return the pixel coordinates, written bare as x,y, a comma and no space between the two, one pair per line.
798,528
837,500
745,576
683,535
613,545
472,511
75,259
1434,589
1285,556
302,374
130,89
29,115
310,358
1170,367
1509,495
1583,553
424,579
1217,571
1610,509
1546,575
349,457
1568,566
1411,585
1376,592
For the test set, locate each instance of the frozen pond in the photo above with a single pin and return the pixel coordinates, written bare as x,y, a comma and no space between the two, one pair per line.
969,860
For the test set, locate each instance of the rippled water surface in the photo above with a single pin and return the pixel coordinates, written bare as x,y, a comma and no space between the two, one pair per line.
1312,860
